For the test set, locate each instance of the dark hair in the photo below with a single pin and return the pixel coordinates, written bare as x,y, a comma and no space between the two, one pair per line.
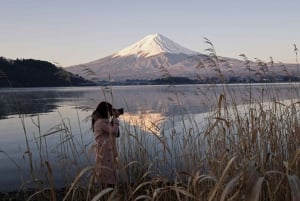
103,111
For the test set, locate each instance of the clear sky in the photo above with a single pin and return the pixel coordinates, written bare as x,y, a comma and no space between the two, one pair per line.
71,32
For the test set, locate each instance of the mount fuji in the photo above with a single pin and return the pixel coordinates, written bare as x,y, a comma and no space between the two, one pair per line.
153,45
155,55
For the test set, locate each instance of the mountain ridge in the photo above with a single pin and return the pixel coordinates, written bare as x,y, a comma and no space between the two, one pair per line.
155,55
141,60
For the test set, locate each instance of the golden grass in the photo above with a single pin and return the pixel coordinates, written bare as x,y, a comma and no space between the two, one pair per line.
247,151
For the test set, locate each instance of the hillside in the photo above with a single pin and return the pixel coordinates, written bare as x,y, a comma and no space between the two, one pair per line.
155,56
36,73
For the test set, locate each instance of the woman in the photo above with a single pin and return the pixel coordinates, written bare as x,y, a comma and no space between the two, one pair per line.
105,126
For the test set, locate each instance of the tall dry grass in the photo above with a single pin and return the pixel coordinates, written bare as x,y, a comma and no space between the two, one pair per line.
247,151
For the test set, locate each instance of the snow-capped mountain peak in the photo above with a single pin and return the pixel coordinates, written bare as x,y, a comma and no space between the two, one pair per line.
153,44
143,59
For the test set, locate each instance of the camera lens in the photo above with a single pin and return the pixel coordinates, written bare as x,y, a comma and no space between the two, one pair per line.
121,111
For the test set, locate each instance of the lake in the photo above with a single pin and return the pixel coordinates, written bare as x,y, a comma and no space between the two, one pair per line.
53,124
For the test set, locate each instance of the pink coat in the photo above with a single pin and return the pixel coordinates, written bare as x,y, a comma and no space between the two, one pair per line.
105,134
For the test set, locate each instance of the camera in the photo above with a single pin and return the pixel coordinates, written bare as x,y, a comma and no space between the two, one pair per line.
120,110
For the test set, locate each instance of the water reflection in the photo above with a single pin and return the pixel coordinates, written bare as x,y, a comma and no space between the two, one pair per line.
162,99
15,102
146,121
134,99
151,109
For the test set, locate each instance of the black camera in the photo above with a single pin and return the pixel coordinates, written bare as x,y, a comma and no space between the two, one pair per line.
120,110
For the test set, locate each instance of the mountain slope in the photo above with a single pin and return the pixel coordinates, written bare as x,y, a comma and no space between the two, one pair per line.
142,60
155,55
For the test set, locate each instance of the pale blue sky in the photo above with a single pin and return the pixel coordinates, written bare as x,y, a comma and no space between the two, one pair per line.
77,31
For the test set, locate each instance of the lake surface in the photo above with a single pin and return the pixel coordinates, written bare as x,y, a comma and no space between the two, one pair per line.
45,119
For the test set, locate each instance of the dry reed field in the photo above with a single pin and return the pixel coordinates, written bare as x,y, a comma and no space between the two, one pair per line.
247,151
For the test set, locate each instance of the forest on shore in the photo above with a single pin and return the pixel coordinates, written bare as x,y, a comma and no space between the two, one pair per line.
36,73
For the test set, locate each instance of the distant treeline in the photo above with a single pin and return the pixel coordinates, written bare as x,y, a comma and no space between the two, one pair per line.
185,80
36,73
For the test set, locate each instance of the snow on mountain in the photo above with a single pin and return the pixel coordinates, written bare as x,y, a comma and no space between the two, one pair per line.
141,60
144,61
152,45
